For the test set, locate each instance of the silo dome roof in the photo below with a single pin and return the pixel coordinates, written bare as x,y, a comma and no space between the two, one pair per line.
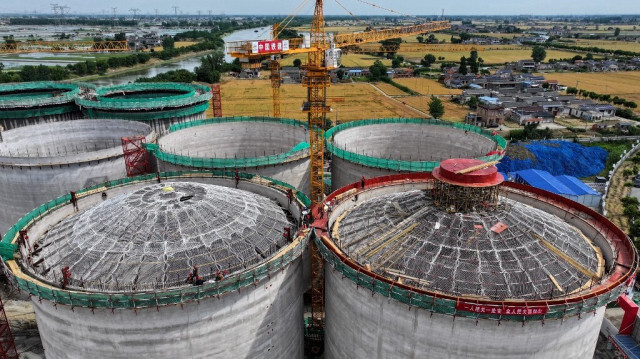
152,237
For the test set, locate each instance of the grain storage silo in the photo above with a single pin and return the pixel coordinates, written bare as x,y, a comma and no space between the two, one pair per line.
381,147
456,264
29,103
272,147
41,162
110,279
158,104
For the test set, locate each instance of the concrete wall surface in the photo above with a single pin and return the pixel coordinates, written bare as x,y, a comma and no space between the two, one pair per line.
265,321
359,325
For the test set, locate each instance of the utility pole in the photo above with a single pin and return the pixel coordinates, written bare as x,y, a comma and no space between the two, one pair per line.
113,10
175,10
135,12
55,8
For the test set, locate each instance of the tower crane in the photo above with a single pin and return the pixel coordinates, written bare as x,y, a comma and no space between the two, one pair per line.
323,54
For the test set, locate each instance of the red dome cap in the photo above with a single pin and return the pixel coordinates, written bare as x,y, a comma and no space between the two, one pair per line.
448,172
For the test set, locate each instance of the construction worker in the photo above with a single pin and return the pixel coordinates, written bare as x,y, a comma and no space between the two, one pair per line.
74,201
237,177
290,195
362,182
104,195
326,209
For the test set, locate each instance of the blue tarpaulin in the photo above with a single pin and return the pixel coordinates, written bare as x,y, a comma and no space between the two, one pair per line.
558,158
543,180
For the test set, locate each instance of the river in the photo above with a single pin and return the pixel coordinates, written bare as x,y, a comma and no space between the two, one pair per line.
186,64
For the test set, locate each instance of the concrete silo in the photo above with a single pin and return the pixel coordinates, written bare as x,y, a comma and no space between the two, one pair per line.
373,148
41,162
272,147
30,103
456,264
158,104
110,279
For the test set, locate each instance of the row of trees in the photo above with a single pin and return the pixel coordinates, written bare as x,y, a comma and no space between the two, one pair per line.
602,97
592,49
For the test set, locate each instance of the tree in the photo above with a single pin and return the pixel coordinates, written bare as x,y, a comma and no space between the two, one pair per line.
420,39
428,60
463,66
1,67
436,108
473,103
340,74
474,65
616,32
168,43
397,62
210,68
589,56
378,71
297,63
538,54
121,36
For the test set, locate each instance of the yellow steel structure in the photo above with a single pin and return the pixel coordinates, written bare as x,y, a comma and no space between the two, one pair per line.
63,46
316,81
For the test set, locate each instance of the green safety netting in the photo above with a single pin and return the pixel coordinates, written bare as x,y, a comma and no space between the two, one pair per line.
148,299
35,94
200,162
399,165
39,111
433,303
146,115
181,95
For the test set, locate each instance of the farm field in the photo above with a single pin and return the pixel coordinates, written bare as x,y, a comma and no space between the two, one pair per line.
354,101
425,86
349,60
452,112
496,54
390,89
606,44
177,44
623,84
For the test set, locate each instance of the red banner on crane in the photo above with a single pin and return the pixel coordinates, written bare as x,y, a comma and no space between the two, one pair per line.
271,46
501,310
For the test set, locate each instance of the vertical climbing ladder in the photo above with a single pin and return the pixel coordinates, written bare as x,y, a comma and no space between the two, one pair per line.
216,100
7,344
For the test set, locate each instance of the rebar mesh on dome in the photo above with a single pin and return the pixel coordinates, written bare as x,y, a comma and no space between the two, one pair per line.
405,236
151,238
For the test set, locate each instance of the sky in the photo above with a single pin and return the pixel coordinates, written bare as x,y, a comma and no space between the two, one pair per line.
332,7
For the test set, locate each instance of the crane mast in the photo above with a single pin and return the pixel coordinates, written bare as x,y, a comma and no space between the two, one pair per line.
322,56
316,82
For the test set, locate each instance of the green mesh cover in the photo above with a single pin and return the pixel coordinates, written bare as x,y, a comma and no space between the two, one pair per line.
146,115
399,165
182,95
36,99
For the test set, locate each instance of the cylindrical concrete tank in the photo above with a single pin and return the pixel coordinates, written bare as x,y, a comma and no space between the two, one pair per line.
41,162
112,278
380,147
158,104
30,103
445,267
272,147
